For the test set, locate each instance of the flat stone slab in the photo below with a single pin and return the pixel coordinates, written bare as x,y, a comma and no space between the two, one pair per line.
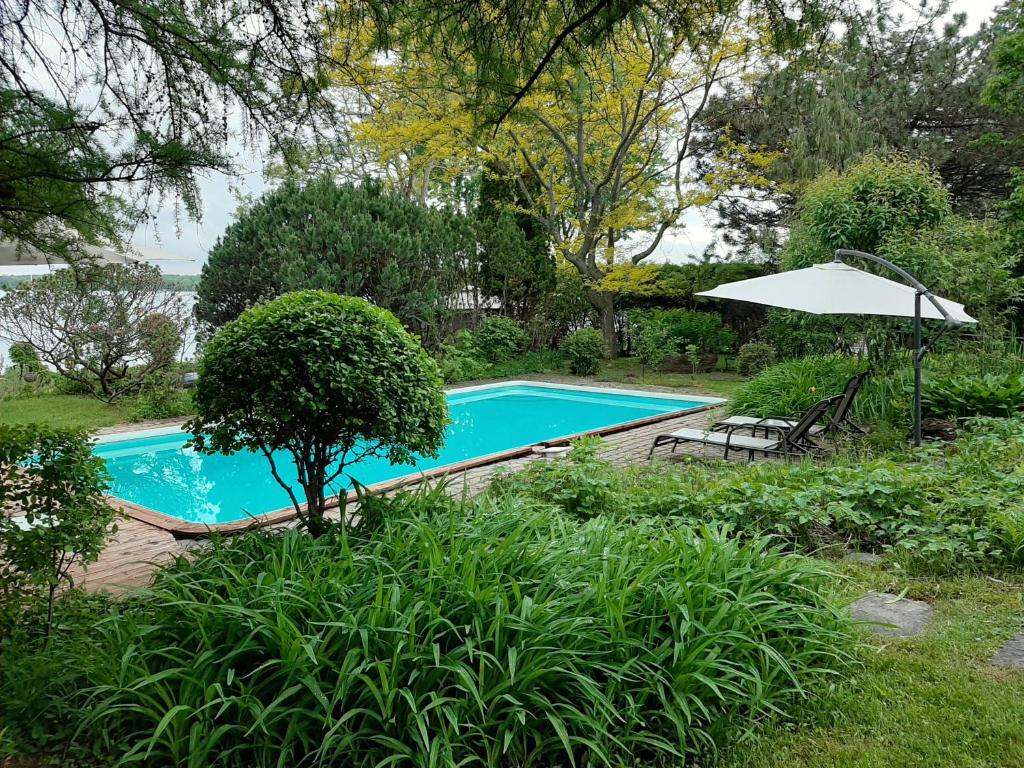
1011,654
892,615
863,558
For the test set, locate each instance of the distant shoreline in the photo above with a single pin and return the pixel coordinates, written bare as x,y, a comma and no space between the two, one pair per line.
178,283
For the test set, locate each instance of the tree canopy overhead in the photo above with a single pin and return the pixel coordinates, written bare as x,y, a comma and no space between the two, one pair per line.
104,104
599,151
513,43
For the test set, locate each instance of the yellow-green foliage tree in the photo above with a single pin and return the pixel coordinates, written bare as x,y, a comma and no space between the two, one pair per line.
601,147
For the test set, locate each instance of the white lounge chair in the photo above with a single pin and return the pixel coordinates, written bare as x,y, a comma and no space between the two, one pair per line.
786,441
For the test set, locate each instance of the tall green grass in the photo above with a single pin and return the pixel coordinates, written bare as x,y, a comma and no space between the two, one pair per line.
793,386
501,633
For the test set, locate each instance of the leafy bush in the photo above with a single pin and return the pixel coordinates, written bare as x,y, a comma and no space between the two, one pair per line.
754,358
500,338
872,201
793,386
538,361
50,479
354,240
497,633
580,484
956,509
799,334
457,364
162,398
584,350
651,340
325,379
988,395
24,356
683,327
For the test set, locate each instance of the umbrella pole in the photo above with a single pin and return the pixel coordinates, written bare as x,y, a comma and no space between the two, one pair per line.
920,349
918,355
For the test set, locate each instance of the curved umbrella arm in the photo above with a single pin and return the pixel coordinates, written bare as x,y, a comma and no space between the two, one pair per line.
916,284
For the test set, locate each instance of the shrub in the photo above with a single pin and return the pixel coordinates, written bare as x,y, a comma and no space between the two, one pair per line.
24,356
500,338
162,398
959,396
583,351
456,364
537,361
51,479
684,327
872,201
495,634
355,240
958,508
791,387
754,358
651,339
324,379
580,484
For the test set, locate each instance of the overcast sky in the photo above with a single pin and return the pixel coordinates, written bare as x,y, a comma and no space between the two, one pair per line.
191,240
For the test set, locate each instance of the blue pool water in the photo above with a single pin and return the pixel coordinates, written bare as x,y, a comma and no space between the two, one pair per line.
160,474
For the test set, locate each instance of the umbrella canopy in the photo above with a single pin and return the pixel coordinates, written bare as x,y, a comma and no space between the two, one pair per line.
835,288
11,255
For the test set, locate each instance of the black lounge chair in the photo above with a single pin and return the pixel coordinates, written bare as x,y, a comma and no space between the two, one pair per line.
790,441
840,421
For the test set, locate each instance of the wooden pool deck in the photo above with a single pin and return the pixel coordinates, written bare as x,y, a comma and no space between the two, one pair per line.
138,548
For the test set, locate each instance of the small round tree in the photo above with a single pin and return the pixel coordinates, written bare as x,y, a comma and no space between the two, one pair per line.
329,380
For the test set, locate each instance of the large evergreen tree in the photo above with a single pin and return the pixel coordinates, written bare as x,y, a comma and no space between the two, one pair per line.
517,264
347,239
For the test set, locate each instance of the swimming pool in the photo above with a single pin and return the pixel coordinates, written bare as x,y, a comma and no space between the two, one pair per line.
154,470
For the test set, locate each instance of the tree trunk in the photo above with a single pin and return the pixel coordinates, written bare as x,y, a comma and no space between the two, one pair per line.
604,303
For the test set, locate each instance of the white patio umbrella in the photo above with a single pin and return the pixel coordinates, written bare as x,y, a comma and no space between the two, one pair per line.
11,255
837,288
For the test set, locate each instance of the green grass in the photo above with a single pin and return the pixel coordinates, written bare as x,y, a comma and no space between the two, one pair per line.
926,702
626,370
69,411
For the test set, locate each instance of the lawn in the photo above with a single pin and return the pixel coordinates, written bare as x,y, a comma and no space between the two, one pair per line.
626,370
926,702
73,411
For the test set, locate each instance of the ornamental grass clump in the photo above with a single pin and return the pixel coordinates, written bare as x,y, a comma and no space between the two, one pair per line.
496,633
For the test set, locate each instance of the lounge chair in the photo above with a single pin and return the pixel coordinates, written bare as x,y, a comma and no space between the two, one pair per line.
783,442
840,421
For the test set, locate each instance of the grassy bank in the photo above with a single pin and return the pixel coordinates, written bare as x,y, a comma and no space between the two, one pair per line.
927,702
626,370
72,411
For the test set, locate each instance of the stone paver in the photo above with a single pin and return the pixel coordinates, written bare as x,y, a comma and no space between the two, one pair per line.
1012,654
892,615
862,558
